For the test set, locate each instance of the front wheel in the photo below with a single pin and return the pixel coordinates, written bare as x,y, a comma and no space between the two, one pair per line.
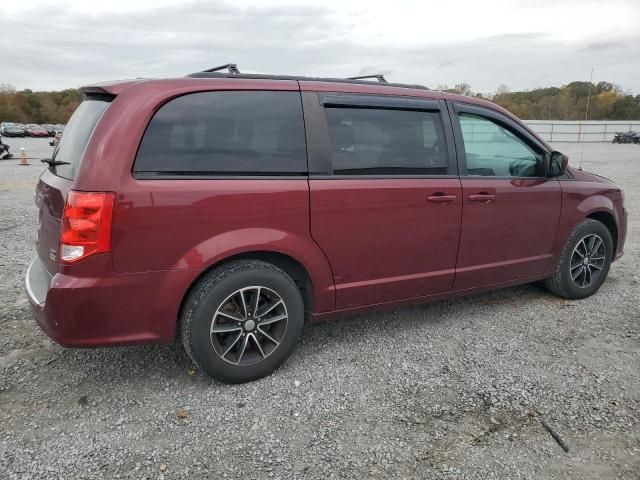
584,262
242,321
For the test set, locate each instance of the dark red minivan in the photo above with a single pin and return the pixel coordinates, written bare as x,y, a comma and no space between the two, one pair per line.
224,209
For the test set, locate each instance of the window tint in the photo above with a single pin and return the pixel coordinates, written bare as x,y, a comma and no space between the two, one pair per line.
366,141
494,151
76,136
246,133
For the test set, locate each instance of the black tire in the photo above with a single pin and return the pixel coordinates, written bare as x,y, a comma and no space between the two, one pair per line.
562,283
207,299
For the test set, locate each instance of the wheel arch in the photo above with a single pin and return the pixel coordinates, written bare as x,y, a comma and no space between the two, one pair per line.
595,207
288,264
609,221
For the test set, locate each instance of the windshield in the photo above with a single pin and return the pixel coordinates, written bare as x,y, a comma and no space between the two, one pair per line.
76,136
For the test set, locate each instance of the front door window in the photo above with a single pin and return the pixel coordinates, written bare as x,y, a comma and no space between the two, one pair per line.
493,151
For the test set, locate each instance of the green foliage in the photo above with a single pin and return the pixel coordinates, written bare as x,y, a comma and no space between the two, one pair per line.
37,107
627,108
607,101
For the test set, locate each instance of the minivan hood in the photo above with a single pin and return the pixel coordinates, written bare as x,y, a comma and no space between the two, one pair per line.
589,177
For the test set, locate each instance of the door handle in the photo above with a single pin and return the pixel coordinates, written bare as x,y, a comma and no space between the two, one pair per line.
440,197
482,197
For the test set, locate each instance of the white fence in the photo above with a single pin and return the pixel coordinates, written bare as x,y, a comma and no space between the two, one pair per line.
581,131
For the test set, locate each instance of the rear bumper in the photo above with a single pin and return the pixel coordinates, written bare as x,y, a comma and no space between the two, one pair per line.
36,284
107,310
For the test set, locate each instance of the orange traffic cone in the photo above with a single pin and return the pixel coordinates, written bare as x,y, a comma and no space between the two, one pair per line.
23,157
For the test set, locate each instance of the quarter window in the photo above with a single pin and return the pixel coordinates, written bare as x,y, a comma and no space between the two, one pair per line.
246,133
76,136
367,141
494,151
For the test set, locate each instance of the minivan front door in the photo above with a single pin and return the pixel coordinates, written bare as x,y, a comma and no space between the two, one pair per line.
510,207
387,209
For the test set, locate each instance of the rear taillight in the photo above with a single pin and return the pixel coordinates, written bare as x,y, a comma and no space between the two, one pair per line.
86,225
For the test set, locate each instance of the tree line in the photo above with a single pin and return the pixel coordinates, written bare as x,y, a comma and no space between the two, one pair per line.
575,101
26,106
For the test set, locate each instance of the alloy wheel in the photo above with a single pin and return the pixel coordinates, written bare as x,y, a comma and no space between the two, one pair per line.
587,261
249,325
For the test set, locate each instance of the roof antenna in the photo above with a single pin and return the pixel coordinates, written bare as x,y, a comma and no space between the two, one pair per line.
586,116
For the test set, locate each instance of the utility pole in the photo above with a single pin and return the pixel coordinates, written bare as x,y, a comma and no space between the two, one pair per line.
586,115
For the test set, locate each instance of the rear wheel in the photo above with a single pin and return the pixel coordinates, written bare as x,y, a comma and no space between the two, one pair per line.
242,321
584,262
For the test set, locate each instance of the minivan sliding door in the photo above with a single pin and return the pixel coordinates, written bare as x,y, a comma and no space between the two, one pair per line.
385,196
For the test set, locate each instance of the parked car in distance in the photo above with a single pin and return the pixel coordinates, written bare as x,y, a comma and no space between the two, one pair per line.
50,128
235,207
36,131
3,125
14,130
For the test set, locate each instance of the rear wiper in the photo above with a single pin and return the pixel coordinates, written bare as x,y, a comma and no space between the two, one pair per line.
53,163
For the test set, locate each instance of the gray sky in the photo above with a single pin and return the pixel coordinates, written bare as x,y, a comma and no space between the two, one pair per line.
54,44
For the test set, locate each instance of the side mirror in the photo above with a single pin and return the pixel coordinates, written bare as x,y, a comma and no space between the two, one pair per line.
558,164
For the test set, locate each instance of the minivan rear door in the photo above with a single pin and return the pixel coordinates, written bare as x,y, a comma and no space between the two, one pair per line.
385,196
58,179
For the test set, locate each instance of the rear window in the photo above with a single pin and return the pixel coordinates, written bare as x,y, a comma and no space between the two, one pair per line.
76,136
226,133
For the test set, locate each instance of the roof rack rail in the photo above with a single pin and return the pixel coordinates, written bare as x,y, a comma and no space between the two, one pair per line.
377,76
216,73
231,67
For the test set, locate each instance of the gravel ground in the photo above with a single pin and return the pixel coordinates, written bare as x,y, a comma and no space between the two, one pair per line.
447,390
